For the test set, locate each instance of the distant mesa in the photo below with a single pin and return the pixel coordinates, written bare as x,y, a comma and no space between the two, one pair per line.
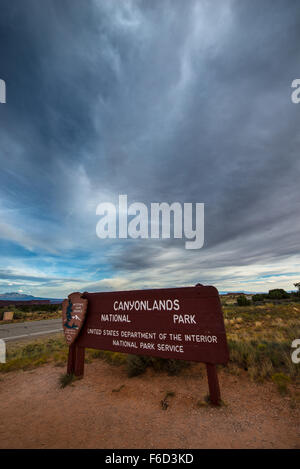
19,298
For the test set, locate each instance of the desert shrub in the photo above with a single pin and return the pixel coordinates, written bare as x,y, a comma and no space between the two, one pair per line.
60,358
18,314
278,294
158,364
171,366
243,301
66,379
258,297
136,365
165,401
281,381
113,358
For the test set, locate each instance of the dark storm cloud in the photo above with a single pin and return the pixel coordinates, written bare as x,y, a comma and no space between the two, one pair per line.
163,101
236,143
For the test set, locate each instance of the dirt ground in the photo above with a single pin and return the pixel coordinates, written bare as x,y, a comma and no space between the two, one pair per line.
108,410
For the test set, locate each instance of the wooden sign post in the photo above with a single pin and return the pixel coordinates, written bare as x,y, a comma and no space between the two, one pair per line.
178,323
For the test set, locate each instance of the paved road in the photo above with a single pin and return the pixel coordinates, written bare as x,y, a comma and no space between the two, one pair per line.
22,330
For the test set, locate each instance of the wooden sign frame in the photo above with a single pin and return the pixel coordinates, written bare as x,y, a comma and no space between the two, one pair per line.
202,300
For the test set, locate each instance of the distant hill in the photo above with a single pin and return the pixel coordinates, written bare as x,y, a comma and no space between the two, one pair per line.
239,293
15,296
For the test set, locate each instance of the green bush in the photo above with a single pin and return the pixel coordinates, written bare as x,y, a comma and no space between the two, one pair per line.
278,294
243,301
18,314
281,381
258,297
136,365
66,379
171,366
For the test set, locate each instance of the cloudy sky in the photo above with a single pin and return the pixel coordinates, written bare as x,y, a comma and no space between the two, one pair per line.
164,101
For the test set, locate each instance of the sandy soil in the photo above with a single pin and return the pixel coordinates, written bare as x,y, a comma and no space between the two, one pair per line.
36,413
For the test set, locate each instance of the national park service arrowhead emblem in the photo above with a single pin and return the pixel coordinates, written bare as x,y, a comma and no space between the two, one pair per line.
73,313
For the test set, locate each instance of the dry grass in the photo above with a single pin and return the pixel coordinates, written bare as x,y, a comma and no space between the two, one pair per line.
260,340
28,355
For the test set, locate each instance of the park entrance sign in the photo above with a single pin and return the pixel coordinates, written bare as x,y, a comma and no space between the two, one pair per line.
177,323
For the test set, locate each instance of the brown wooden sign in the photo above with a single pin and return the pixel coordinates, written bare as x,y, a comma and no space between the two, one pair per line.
178,323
